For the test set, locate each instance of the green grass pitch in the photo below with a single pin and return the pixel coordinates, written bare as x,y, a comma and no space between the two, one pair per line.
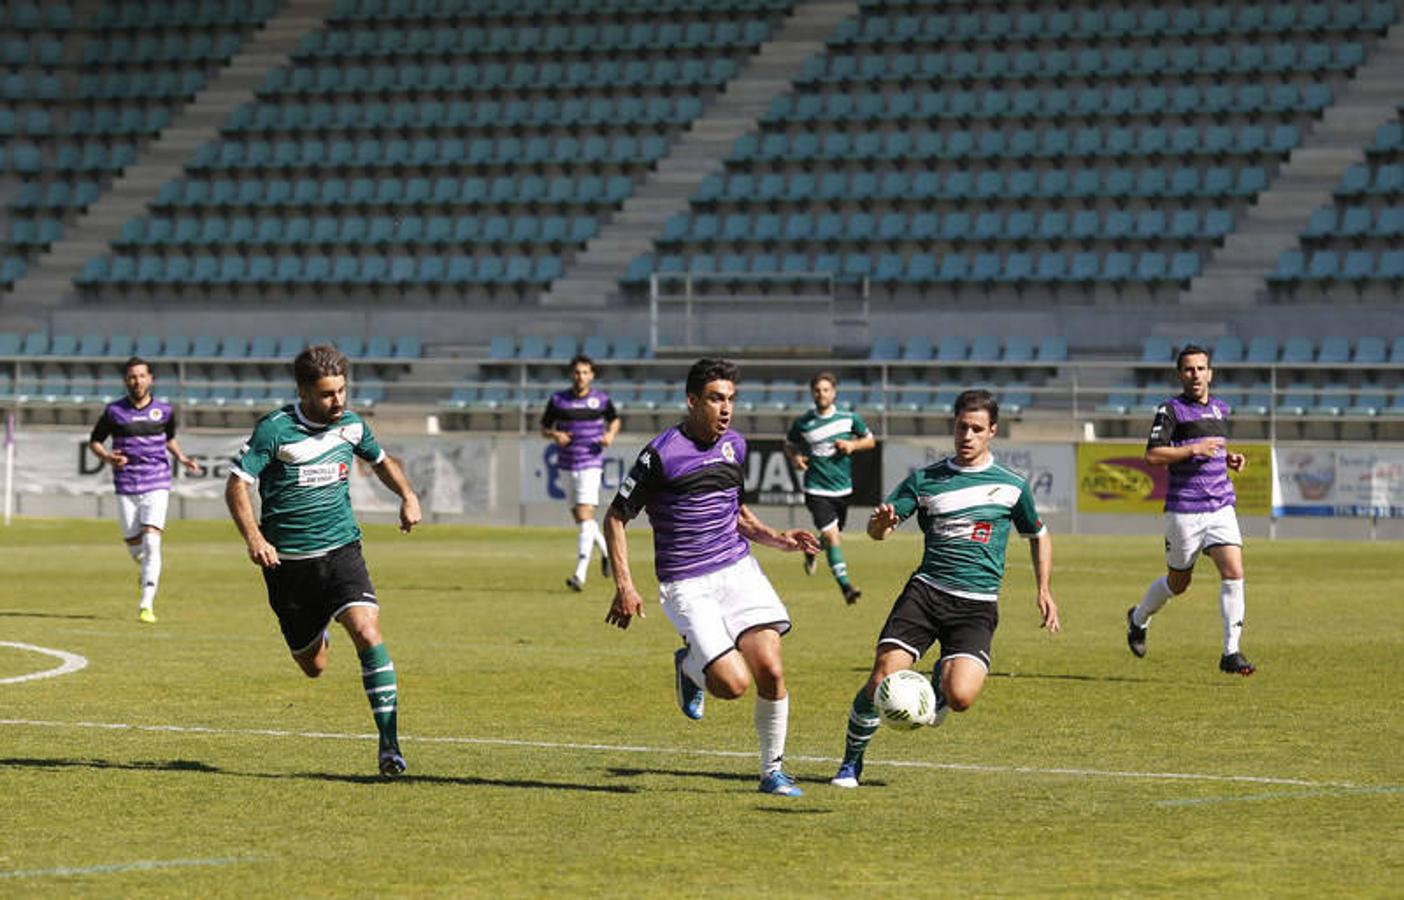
547,756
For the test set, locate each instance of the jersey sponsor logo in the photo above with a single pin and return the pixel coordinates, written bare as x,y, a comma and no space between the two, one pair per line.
322,474
980,534
626,487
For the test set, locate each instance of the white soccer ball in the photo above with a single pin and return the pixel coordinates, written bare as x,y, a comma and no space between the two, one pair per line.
905,700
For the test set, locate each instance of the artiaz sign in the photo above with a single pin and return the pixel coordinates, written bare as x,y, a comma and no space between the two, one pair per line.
772,481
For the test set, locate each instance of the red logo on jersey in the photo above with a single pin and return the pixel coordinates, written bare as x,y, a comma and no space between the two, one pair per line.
343,471
980,534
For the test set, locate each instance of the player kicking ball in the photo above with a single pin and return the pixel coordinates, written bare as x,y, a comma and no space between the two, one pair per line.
308,543
689,479
964,505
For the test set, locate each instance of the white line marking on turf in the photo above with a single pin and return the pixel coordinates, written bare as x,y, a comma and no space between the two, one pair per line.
72,662
726,754
1285,795
138,866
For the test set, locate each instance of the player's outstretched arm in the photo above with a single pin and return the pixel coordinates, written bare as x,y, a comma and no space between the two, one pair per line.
392,475
753,529
626,602
191,466
236,497
1041,549
882,521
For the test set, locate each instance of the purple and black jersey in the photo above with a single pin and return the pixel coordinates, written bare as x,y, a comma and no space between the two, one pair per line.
692,493
1200,483
140,435
584,419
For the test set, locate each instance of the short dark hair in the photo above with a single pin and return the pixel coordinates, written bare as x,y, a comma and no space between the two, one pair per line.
579,358
975,400
825,375
1192,350
133,362
706,370
318,362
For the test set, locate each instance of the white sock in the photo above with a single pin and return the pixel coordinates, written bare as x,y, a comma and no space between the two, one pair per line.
599,537
134,551
150,567
692,668
1156,596
584,544
772,722
1231,607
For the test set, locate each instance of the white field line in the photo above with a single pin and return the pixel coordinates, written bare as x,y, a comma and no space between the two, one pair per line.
69,662
677,751
137,866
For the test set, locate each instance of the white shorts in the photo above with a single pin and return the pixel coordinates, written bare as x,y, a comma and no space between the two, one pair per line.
137,510
583,486
711,611
1188,534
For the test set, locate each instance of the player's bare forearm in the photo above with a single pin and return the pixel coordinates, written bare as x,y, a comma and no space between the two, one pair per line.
857,445
1165,456
611,431
750,527
173,447
392,475
236,498
626,602
796,458
1041,551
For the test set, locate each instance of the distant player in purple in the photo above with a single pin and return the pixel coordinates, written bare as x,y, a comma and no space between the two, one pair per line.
689,479
142,430
1189,436
581,421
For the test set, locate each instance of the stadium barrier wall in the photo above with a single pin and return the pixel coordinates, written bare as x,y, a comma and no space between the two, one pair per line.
1319,490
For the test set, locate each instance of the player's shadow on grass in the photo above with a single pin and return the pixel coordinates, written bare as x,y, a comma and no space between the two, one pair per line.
26,614
467,781
1107,679
747,777
186,765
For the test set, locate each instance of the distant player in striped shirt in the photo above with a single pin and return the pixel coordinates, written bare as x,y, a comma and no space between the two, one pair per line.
307,542
581,421
821,444
142,430
1188,437
965,505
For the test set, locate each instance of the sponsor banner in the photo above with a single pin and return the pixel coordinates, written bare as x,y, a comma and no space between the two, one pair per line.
1115,478
772,481
543,480
1048,467
1330,481
452,476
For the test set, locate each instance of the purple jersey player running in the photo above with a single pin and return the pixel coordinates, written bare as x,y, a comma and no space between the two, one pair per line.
582,422
1189,436
143,430
689,479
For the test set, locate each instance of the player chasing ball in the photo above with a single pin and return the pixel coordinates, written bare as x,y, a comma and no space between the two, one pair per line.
689,479
307,542
1189,437
965,505
821,444
143,431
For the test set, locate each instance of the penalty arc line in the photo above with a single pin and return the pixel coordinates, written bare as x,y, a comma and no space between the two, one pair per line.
70,662
677,751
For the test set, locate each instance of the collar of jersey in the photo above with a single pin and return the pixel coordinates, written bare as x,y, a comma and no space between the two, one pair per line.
951,461
302,419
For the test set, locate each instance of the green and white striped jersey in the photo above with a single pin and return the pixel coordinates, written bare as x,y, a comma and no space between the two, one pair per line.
303,471
830,473
965,516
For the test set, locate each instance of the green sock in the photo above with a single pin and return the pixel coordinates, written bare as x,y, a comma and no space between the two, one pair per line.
378,677
837,565
863,723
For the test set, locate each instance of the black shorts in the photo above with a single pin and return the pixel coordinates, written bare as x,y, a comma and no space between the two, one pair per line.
306,594
924,615
827,510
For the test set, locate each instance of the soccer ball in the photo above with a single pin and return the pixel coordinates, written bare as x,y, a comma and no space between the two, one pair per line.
905,699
